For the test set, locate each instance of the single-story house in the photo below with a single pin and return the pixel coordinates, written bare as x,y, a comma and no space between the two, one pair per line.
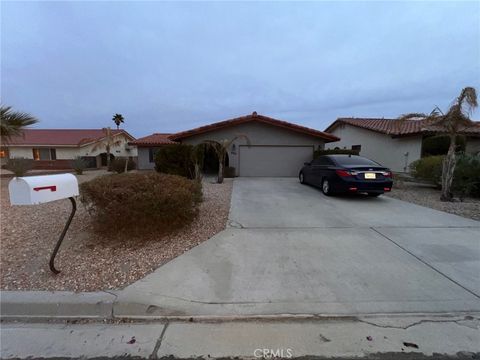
56,148
146,148
277,148
391,142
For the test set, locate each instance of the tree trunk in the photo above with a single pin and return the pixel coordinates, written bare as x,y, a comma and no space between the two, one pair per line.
108,158
198,174
448,170
126,164
220,169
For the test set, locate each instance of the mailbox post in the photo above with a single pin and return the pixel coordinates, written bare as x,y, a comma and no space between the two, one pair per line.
33,190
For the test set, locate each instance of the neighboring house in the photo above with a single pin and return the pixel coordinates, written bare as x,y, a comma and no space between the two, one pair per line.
391,142
278,148
56,148
146,148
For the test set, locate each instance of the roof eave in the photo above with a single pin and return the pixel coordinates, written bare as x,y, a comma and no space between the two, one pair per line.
40,145
260,118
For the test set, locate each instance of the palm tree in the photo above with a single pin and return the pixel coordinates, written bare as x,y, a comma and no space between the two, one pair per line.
451,123
107,144
221,149
13,122
118,119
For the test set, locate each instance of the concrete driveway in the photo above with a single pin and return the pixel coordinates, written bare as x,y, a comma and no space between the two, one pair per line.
291,250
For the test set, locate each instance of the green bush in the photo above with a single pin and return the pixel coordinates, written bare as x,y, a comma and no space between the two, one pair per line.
19,166
428,168
176,159
318,153
439,144
118,165
78,164
141,202
466,179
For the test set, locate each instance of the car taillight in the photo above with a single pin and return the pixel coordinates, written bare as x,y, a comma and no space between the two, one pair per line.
387,174
343,173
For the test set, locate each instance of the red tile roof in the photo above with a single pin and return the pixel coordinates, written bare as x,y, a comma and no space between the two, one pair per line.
257,118
397,127
154,139
61,137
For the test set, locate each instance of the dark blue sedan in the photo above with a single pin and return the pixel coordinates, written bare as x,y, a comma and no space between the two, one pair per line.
347,174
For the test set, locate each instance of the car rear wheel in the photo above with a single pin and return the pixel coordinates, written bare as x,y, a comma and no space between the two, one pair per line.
326,187
301,177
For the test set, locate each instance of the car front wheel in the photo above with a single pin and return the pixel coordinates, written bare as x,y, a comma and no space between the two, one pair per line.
301,177
326,187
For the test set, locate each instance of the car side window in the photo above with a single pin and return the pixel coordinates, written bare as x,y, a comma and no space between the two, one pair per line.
321,161
329,161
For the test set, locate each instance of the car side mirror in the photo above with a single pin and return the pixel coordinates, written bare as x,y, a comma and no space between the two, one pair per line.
307,163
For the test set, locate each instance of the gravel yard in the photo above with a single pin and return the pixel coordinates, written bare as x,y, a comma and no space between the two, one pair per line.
87,261
430,197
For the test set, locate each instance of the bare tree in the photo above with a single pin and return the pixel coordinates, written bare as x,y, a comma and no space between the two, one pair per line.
108,143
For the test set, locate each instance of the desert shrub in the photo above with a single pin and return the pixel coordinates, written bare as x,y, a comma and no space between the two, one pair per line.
118,165
78,164
19,166
140,202
466,179
318,153
176,159
229,172
439,144
428,168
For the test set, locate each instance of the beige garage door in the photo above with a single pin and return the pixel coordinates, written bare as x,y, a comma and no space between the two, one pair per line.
273,160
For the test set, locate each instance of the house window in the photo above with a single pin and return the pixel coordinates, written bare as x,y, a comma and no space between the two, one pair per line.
357,148
151,154
44,154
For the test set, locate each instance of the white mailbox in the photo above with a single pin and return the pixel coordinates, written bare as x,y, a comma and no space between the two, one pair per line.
31,190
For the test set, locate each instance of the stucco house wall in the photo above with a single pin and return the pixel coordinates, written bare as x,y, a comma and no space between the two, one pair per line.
69,153
259,134
473,145
143,162
380,147
66,153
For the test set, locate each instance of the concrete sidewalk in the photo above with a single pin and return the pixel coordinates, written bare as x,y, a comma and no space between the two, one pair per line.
374,337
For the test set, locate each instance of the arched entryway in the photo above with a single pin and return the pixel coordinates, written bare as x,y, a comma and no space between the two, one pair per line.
210,161
103,159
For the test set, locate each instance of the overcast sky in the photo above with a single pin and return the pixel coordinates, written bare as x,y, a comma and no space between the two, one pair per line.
173,66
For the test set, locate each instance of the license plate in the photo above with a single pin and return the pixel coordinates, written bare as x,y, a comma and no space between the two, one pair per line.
370,176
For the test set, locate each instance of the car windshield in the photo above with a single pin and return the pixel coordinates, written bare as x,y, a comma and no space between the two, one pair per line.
346,160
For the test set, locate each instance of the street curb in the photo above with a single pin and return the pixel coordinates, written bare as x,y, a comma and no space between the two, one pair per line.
32,306
56,305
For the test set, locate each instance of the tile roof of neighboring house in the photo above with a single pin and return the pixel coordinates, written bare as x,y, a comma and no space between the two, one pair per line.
258,118
396,127
61,137
154,139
